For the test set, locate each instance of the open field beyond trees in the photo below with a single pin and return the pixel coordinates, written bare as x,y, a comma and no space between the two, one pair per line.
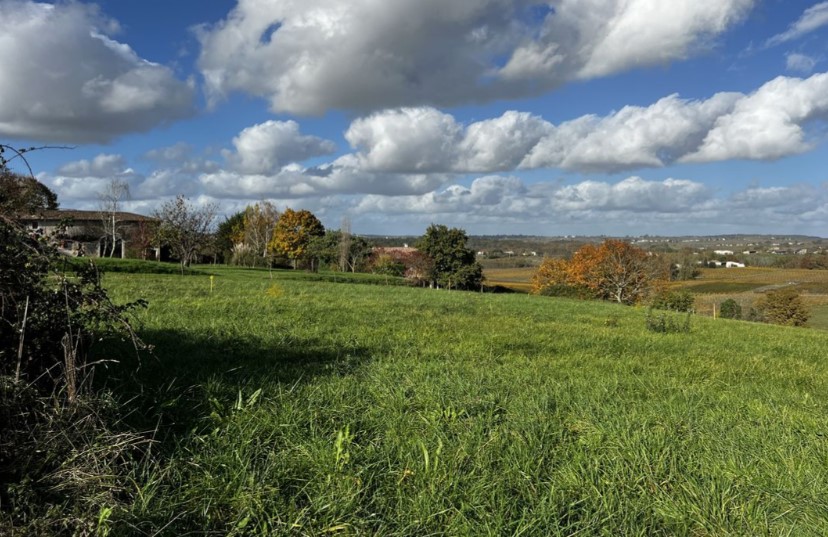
285,405
713,286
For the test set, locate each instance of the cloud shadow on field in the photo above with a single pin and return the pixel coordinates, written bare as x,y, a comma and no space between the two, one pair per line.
170,390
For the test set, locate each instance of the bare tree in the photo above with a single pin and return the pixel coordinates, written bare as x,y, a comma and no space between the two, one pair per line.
185,227
110,201
345,245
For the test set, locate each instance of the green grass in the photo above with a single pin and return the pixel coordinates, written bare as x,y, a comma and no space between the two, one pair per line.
819,317
300,407
131,266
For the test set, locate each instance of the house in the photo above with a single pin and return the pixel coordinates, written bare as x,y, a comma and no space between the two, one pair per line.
734,264
82,233
723,252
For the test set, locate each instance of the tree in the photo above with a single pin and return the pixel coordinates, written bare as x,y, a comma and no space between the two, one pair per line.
20,194
553,273
614,270
229,234
259,222
323,250
784,306
345,245
143,236
116,191
685,267
455,265
293,232
184,227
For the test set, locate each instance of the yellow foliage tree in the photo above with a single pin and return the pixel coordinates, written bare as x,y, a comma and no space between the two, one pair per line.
293,232
552,272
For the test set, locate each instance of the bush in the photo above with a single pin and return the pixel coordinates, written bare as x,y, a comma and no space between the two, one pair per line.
730,309
49,319
667,323
62,465
566,291
674,301
785,307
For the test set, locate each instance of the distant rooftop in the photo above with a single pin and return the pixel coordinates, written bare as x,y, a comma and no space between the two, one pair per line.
80,215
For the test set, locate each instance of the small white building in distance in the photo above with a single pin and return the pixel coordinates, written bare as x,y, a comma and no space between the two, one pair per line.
723,252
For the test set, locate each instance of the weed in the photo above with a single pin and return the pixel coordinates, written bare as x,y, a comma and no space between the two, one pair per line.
667,323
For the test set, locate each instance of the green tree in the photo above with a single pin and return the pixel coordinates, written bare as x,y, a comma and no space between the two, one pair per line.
20,194
229,233
784,306
293,233
685,267
455,265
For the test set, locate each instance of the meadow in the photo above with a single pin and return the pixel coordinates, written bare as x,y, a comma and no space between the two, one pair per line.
714,286
285,404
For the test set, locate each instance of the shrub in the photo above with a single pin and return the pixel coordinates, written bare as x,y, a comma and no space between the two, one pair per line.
667,323
566,291
785,307
674,301
63,464
730,309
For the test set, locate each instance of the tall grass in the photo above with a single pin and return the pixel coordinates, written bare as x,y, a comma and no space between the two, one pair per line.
285,406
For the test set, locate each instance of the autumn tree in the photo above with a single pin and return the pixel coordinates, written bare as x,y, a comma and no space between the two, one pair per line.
624,273
185,227
614,270
455,265
293,232
552,278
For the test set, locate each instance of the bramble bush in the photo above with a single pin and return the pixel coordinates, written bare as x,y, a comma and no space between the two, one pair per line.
674,301
730,309
63,464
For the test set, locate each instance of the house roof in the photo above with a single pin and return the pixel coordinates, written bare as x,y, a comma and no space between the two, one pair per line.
83,216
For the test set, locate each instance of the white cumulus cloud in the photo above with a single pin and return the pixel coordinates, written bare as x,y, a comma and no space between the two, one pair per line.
316,55
767,124
65,80
266,147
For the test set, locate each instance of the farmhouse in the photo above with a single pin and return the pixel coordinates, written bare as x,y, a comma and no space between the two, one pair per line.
82,233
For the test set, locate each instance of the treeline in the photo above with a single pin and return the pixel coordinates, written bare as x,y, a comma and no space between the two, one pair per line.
263,236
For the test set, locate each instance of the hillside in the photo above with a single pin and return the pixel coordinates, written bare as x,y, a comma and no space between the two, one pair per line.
288,406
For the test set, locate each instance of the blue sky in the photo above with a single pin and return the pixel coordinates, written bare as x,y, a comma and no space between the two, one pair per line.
548,117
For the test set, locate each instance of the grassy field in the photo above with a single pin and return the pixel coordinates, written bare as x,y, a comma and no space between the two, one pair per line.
290,406
714,286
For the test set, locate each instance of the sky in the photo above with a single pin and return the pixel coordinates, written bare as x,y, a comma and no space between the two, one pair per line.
534,117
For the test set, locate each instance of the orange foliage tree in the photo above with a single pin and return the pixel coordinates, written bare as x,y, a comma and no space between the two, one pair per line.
614,270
